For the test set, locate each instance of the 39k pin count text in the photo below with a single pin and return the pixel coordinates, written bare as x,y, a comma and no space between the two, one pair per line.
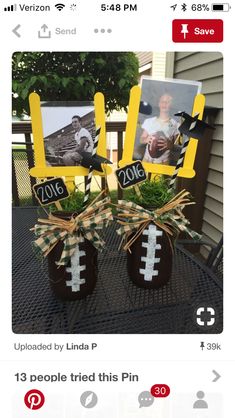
81,346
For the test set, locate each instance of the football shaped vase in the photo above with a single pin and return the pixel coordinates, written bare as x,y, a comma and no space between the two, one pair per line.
149,261
78,278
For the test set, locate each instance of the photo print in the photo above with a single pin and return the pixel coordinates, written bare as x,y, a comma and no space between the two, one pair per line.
68,131
157,136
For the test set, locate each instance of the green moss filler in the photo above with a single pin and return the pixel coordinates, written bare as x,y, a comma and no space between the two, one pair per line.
73,203
154,194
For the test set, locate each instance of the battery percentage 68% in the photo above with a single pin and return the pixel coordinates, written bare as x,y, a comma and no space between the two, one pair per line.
200,7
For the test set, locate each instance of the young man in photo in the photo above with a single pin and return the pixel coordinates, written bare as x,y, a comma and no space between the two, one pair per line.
160,133
84,142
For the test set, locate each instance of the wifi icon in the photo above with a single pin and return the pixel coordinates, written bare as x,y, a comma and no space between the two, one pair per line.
59,6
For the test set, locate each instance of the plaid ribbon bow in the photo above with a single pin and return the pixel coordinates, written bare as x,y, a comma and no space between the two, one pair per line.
134,218
52,230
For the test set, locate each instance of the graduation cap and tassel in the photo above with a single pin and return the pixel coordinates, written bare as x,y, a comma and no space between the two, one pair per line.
95,162
190,127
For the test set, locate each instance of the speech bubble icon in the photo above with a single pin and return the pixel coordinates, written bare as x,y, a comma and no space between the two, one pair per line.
145,399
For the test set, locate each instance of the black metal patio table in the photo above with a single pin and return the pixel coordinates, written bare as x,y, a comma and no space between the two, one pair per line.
116,305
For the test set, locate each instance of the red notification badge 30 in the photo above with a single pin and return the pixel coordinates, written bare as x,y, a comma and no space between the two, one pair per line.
160,390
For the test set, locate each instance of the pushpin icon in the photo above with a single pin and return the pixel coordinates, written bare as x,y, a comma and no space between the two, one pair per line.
184,29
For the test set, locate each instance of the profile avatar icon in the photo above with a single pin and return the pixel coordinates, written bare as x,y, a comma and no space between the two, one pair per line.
200,403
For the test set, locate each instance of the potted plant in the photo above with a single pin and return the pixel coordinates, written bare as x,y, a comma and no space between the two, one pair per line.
70,240
150,221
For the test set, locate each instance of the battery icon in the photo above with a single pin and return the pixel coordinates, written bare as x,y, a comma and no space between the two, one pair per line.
220,7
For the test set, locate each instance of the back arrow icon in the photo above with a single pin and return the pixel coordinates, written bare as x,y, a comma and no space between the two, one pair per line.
15,31
217,376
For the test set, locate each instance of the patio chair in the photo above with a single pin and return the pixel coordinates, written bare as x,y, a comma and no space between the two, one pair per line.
214,260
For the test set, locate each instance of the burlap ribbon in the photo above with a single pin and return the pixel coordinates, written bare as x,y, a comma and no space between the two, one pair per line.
52,230
170,218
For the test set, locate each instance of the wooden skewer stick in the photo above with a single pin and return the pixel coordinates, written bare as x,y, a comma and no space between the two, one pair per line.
58,205
137,190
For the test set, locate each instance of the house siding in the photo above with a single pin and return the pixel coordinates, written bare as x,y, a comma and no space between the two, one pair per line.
144,58
207,67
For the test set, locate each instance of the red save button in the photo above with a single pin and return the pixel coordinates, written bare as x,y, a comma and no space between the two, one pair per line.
197,30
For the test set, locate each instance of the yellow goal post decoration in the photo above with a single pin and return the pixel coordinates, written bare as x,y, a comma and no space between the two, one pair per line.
187,169
41,170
